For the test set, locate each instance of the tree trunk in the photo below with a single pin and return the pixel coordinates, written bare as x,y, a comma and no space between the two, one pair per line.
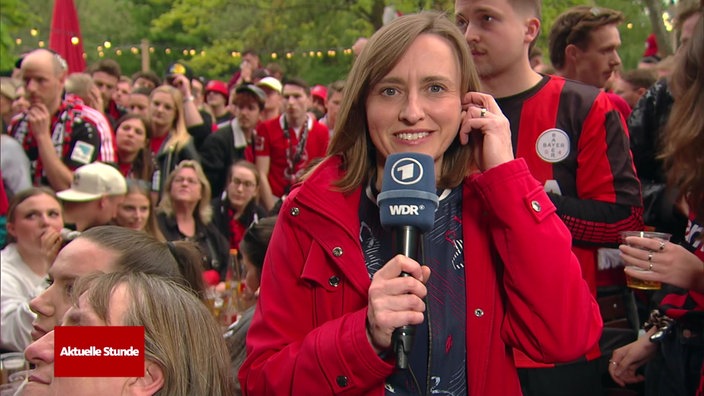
663,38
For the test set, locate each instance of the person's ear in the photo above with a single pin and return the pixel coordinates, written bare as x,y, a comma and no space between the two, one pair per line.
571,52
103,201
148,385
532,29
10,227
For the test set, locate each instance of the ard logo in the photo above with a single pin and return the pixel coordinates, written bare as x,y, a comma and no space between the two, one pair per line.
407,171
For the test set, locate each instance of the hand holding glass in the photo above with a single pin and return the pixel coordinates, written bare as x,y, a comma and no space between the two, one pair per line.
633,282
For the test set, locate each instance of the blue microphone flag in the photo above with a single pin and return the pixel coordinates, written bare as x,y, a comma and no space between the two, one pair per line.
408,196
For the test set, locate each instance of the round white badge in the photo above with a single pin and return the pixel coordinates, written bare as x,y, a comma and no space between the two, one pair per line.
553,145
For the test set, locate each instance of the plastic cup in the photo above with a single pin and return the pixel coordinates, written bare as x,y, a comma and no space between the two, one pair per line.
636,283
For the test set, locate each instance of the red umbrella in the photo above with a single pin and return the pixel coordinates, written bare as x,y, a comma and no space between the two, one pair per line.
65,37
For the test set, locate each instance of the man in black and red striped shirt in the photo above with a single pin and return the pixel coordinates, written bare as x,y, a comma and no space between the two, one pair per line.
574,142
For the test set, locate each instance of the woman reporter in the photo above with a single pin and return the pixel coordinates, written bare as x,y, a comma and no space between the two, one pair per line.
331,295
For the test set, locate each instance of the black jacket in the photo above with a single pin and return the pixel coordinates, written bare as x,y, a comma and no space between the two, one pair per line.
212,244
218,152
252,212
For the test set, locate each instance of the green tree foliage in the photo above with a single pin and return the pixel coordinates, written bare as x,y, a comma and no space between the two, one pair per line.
282,31
14,15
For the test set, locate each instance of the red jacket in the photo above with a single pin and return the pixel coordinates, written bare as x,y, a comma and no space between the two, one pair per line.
524,290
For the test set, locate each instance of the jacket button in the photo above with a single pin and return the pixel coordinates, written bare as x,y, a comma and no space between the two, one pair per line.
342,380
536,206
334,281
295,211
337,252
478,313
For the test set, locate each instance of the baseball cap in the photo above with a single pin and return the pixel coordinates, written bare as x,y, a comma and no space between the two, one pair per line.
271,83
217,86
179,68
253,89
320,91
92,181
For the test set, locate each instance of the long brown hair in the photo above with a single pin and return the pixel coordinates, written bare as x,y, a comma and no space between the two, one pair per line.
380,55
683,141
142,167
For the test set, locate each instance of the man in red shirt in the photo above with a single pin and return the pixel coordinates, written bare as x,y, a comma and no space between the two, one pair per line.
284,145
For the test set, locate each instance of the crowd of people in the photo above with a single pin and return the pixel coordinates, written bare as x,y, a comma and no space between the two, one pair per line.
132,199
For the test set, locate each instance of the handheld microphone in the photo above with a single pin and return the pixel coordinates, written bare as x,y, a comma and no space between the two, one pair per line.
407,205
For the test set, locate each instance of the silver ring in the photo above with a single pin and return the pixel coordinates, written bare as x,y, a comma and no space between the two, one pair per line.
650,268
650,257
613,362
483,112
662,246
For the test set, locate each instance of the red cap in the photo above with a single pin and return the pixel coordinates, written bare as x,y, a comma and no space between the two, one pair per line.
211,277
320,91
217,86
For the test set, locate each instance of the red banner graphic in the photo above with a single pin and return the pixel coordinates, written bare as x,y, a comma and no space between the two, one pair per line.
99,351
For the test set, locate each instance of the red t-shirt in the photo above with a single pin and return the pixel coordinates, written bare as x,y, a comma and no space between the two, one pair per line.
271,142
156,142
